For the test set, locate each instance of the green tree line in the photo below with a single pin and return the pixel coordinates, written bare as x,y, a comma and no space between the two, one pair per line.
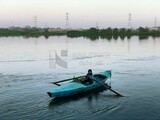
92,33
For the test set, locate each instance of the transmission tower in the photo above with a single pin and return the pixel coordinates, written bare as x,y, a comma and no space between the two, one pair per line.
67,21
130,20
155,22
46,25
35,20
97,27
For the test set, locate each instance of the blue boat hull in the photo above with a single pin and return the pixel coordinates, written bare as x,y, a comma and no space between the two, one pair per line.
74,87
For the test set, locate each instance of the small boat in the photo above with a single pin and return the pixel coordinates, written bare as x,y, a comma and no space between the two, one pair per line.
76,86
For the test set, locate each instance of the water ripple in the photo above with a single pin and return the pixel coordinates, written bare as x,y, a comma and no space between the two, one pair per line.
22,61
87,105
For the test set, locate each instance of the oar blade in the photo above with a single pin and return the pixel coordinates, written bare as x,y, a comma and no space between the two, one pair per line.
108,87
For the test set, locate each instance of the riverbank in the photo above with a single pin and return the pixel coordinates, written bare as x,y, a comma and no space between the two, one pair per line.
92,33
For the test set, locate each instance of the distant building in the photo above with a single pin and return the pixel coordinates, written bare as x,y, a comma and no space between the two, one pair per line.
153,28
14,28
27,27
55,30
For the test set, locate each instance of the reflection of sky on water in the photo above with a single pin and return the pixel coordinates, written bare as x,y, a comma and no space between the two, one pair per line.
32,55
25,78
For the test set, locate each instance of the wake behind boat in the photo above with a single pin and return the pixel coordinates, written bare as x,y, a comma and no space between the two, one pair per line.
78,85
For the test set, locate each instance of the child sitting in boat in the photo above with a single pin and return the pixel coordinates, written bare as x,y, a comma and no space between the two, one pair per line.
88,79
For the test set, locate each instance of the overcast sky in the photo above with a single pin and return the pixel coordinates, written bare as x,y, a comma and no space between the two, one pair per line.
82,13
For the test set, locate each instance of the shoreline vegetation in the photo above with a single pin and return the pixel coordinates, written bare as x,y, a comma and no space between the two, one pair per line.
92,33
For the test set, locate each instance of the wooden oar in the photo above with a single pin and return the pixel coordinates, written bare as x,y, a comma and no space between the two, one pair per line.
106,86
56,83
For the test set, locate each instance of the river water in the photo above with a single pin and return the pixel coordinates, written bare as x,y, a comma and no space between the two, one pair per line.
28,65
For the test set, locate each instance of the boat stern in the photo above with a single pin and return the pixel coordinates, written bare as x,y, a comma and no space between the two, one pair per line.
50,94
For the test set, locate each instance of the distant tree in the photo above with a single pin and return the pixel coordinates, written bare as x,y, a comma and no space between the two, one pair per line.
128,32
122,31
109,31
144,31
115,31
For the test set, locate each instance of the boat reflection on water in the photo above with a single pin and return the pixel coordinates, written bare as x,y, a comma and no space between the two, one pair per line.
91,103
89,95
94,94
